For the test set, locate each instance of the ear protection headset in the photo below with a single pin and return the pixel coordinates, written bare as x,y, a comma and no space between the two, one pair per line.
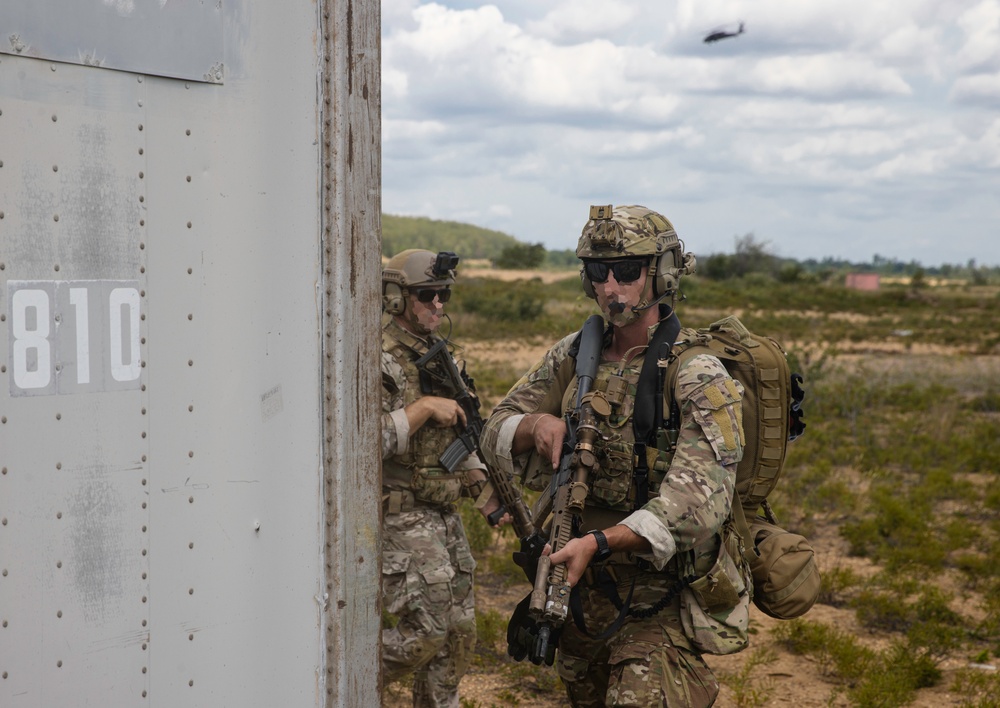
393,301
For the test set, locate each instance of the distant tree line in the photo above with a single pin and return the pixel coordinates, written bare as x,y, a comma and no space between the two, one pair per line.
750,257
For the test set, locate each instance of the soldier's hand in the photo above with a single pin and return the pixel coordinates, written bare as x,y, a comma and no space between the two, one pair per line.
577,555
548,433
444,411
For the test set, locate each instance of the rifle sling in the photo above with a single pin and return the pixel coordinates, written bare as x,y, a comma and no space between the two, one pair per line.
648,416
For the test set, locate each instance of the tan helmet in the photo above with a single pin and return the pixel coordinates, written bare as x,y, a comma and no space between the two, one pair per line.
412,268
631,232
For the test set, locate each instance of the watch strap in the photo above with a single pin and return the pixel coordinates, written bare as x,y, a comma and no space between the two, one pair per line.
603,550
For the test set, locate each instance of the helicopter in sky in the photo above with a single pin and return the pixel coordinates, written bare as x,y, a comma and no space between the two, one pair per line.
721,33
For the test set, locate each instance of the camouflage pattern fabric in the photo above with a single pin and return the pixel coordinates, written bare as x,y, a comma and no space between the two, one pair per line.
427,571
683,521
427,565
648,662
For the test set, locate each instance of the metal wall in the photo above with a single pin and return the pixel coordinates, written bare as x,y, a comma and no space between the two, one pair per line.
188,420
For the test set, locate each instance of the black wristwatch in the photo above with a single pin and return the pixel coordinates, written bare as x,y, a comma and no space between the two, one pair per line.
603,550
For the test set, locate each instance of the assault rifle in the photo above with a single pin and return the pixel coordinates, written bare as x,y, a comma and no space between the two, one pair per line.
438,365
568,490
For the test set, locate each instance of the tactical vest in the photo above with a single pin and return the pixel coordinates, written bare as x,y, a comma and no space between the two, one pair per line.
418,470
612,488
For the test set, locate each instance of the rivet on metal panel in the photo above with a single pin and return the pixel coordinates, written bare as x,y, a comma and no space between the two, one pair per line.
190,271
143,694
144,529
190,500
59,614
143,669
189,178
55,217
55,118
142,293
141,175
189,224
144,646
55,168
190,362
140,127
58,416
142,269
139,79
3,420
190,409
144,411
3,521
190,591
4,573
5,624
143,551
59,465
142,222
187,132
256,526
190,316
190,637
140,151
144,482
144,577
5,470
142,365
191,683
59,664
141,198
142,341
190,453
142,246
144,598
58,564
143,434
144,623
143,458
191,546
144,505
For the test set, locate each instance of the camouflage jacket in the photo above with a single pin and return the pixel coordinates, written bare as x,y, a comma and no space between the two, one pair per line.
691,488
401,447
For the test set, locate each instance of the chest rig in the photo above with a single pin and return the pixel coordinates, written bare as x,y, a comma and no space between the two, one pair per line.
418,470
637,441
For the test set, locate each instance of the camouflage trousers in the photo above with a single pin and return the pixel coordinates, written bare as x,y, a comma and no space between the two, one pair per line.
647,662
427,569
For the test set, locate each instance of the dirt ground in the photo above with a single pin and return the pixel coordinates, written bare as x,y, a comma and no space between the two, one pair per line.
788,680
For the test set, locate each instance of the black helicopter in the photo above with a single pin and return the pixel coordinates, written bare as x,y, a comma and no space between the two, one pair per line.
718,34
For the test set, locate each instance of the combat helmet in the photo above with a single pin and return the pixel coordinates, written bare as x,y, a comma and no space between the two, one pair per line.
412,268
630,232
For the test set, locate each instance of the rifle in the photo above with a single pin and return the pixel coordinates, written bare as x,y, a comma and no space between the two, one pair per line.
437,364
568,490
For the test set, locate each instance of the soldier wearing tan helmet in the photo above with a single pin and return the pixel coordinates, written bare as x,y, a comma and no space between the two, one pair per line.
427,565
654,528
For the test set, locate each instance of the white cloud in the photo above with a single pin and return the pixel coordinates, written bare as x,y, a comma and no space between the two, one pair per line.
517,115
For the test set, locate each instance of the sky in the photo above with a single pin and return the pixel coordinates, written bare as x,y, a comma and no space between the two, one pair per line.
829,128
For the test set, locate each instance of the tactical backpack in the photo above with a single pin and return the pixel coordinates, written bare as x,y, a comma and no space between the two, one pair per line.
785,577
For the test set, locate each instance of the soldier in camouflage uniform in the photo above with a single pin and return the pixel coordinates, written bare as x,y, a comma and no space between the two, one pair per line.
656,542
427,566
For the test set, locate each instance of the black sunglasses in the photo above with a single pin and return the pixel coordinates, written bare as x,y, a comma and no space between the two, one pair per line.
428,294
626,271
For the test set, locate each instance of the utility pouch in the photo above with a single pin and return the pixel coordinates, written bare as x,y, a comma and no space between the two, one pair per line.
433,485
715,608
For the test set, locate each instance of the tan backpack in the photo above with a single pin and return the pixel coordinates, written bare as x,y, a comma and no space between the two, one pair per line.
786,580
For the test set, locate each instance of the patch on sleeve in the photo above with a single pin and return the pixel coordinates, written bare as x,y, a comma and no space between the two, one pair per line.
718,408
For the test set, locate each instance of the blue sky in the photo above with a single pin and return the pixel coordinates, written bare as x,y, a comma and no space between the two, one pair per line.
842,128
